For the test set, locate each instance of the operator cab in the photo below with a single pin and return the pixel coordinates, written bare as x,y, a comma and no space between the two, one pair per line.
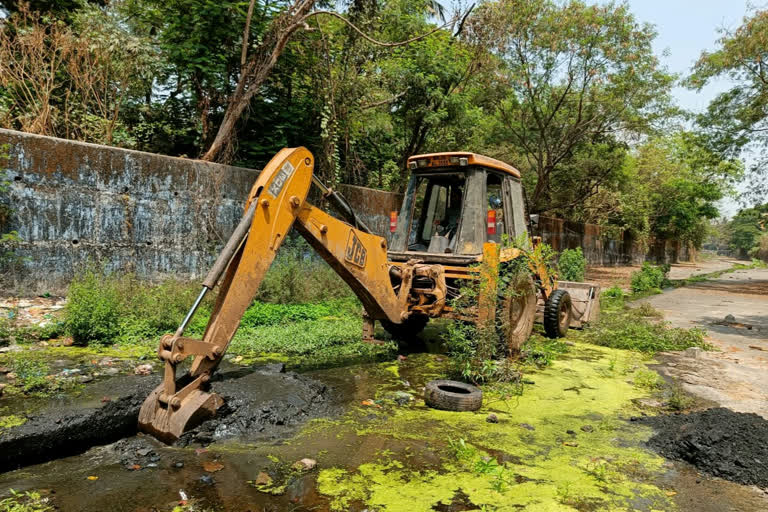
454,203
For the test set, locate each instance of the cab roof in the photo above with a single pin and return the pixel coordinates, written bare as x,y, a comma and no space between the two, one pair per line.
453,159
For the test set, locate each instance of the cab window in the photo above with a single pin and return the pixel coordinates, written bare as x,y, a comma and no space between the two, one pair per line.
495,221
436,212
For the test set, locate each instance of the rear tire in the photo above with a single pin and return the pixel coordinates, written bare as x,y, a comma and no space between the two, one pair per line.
517,314
408,330
557,314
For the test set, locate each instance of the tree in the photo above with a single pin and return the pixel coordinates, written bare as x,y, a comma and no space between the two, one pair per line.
669,188
747,227
71,79
573,76
737,119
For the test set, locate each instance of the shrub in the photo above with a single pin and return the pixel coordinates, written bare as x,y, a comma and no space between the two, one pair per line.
572,265
614,292
93,308
299,276
649,277
107,308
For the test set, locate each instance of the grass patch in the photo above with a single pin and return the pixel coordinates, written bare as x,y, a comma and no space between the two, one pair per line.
33,377
29,501
309,344
624,327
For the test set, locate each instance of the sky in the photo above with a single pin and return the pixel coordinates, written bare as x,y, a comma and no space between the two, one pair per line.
685,28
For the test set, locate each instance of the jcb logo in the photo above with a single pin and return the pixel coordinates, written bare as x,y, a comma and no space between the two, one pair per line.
356,253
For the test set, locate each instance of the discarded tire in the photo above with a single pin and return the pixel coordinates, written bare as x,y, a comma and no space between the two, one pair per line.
451,395
557,314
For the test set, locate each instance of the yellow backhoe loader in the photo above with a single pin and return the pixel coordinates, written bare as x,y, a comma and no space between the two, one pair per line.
457,210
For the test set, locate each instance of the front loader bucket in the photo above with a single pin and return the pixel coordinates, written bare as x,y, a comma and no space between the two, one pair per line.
585,303
585,299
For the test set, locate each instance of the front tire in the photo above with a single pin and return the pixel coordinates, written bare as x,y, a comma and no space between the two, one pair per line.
557,314
517,314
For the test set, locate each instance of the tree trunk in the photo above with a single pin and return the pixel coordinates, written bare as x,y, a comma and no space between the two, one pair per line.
256,72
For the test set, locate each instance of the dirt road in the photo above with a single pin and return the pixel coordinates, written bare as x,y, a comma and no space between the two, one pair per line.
733,375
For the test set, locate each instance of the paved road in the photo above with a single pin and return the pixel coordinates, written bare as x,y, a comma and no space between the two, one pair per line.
735,376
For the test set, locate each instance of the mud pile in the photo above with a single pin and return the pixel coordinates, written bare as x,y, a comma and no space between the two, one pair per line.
717,441
69,429
262,403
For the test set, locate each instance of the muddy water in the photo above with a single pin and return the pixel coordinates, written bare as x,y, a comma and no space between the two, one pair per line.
139,473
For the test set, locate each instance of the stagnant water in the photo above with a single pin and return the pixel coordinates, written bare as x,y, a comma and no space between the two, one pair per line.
140,474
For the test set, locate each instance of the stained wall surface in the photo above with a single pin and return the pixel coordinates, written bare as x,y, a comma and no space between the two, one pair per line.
74,203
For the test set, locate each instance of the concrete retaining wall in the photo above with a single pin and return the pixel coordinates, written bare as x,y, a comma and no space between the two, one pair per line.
74,202
601,249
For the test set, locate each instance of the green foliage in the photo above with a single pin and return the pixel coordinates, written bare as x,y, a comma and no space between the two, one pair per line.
28,501
630,328
569,90
299,276
736,120
478,354
668,189
614,292
649,277
311,344
261,313
107,308
540,351
572,265
747,227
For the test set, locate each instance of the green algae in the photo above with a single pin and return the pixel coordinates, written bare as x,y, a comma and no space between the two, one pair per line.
537,457
11,421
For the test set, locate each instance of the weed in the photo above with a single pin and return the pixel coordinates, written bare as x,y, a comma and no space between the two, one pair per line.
647,379
105,308
649,277
29,501
646,310
502,479
477,350
630,329
462,451
298,276
677,398
32,377
598,469
486,465
540,351
614,292
572,265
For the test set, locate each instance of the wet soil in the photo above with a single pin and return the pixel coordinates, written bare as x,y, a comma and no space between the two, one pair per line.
262,403
717,441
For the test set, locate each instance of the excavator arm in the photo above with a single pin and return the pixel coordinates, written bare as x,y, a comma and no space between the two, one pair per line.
276,202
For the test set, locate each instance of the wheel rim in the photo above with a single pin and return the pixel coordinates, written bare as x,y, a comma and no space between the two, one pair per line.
564,316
